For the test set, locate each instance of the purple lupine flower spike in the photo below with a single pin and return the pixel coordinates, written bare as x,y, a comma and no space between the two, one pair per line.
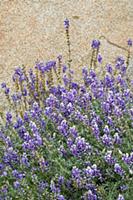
66,23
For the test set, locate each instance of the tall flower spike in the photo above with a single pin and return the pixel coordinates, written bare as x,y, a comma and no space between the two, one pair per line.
66,25
95,50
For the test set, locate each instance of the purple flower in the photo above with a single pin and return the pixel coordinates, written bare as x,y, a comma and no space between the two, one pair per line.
64,68
123,69
43,123
1,166
99,58
49,65
29,145
17,174
59,57
7,90
65,80
69,184
76,172
74,85
62,151
66,23
22,78
95,44
51,101
60,197
26,117
53,187
95,128
123,187
63,128
27,137
128,159
33,126
42,186
70,142
107,140
120,197
109,68
38,140
129,42
43,164
74,150
25,160
109,158
73,131
117,111
3,85
24,92
91,196
8,117
89,171
81,144
10,157
61,180
106,129
119,62
48,111
118,169
4,173
96,171
16,184
70,108
108,81
14,98
92,74
4,189
85,71
18,71
117,139
36,107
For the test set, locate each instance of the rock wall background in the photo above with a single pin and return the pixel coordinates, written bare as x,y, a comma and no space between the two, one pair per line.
33,29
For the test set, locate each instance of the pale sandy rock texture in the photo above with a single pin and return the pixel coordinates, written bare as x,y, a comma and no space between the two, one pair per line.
33,29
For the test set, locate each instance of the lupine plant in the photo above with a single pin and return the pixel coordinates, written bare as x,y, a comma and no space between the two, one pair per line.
64,140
